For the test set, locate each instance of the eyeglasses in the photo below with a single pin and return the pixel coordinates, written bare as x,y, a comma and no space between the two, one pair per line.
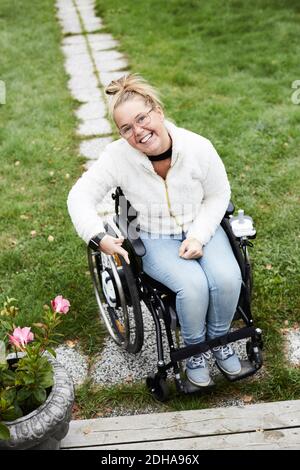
140,120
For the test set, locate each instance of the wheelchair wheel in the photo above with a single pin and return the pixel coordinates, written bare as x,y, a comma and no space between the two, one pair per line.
254,354
118,299
158,387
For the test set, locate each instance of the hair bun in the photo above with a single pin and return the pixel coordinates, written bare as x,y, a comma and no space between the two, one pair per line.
113,88
129,86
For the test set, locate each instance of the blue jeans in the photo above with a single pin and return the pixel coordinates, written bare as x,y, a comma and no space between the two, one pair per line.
207,289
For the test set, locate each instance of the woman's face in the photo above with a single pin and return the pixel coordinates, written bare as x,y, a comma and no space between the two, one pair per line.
152,137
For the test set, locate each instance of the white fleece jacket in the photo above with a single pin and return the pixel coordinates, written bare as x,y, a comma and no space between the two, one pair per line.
193,198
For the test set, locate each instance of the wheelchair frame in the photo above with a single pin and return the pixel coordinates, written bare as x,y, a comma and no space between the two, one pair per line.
128,285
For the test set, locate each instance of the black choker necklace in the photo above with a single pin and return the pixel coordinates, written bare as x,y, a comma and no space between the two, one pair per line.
162,156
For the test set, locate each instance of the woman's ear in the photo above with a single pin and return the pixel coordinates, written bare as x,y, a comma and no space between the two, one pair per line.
159,110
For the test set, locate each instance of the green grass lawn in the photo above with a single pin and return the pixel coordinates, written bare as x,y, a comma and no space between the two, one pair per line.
225,70
39,164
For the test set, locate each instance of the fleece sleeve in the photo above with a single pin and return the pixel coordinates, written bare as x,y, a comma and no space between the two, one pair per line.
215,201
87,193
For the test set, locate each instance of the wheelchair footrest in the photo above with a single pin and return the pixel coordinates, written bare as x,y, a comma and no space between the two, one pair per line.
188,387
247,370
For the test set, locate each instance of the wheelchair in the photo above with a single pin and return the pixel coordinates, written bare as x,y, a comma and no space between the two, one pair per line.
120,288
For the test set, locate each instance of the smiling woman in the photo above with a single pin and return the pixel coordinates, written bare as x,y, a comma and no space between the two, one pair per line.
155,163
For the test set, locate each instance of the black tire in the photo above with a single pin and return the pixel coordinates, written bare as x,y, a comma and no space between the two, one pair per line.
158,387
246,293
255,357
123,316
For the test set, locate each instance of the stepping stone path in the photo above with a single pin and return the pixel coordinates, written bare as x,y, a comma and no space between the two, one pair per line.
91,61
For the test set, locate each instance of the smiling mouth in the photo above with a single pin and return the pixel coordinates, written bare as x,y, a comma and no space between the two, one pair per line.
146,138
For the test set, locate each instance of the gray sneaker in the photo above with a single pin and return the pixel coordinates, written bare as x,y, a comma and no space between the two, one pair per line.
197,370
227,360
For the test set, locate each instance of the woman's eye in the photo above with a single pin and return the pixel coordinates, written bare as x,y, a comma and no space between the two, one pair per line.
126,129
141,119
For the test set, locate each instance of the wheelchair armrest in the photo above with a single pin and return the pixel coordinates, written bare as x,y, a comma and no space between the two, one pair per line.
136,243
229,210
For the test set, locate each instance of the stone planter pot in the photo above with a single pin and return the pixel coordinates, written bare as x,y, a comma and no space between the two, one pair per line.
45,427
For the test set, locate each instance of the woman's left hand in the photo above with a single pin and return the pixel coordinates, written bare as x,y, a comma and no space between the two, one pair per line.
190,248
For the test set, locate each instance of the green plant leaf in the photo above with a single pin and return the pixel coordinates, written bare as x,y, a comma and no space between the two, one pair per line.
51,351
12,413
4,431
40,395
23,394
9,395
7,378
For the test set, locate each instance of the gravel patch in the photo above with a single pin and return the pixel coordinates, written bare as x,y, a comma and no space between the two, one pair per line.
123,411
293,346
116,366
74,362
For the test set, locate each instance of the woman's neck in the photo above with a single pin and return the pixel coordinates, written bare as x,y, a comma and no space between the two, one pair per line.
163,156
166,151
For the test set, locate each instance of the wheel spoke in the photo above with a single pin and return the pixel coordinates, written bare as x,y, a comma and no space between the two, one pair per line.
118,301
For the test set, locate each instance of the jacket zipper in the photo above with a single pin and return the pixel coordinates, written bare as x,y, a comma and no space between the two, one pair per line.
168,198
169,203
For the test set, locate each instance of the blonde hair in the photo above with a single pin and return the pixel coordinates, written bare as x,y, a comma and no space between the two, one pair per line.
128,87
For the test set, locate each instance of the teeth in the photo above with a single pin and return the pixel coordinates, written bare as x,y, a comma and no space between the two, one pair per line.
146,138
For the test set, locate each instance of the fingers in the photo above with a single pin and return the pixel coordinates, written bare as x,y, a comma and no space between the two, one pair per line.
190,249
188,254
182,248
123,253
191,254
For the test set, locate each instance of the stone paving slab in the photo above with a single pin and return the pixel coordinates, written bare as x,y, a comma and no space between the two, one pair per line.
110,65
91,25
73,50
66,14
84,2
86,94
107,77
102,42
80,82
94,127
71,26
92,148
108,56
64,3
91,110
73,40
94,38
84,75
78,62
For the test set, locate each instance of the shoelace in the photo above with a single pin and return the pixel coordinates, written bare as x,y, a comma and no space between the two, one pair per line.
199,361
226,351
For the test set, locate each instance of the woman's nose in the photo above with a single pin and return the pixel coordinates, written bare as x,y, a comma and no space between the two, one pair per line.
137,129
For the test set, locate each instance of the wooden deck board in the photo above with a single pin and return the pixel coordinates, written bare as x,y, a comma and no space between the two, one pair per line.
288,439
263,426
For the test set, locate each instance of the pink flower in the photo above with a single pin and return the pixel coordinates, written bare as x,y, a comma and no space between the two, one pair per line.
60,305
21,336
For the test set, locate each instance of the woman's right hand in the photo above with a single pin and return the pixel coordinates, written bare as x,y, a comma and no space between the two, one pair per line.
111,245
